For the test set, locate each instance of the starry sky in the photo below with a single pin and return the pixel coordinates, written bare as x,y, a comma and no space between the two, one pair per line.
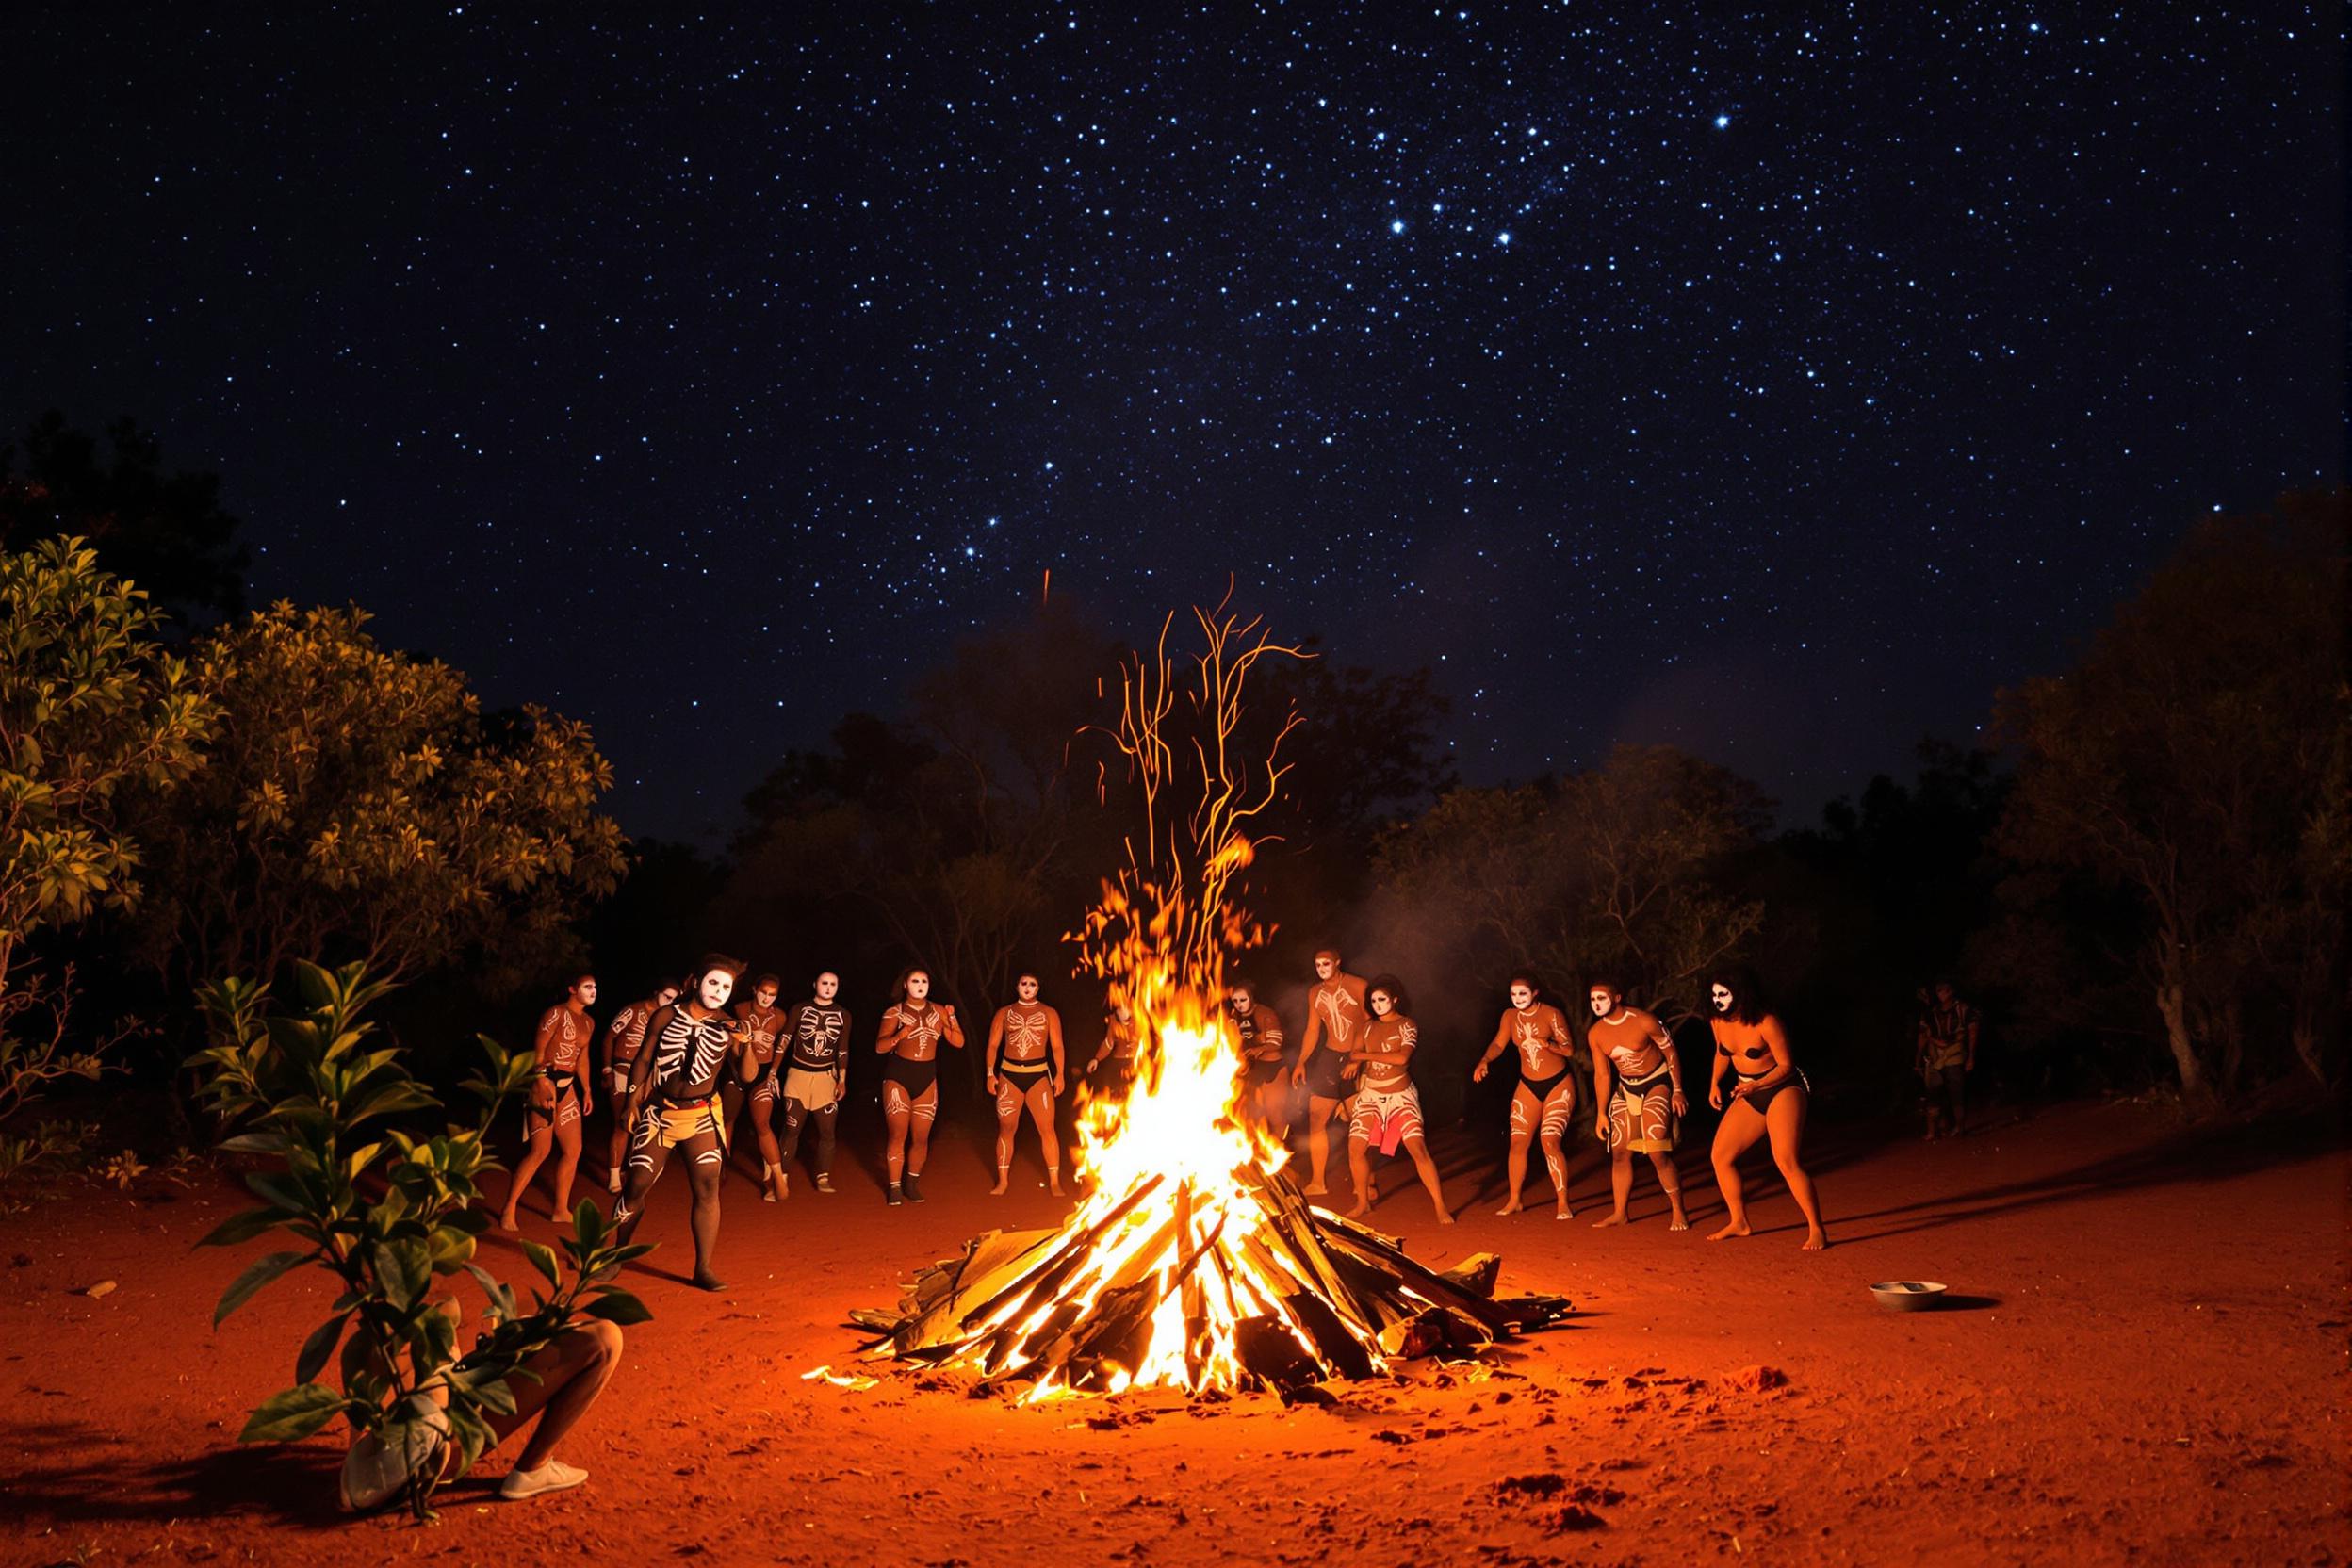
1772,386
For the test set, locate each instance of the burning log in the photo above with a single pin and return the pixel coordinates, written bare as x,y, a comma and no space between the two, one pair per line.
1085,1308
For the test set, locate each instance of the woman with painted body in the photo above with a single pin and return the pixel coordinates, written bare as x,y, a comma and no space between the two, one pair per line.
560,1100
1025,1068
692,1048
909,1044
622,1040
760,1014
1335,1023
1387,1110
1769,1099
1637,1082
1544,1104
816,1075
1266,1070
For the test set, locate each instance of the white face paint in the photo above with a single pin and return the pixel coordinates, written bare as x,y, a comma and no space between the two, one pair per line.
828,985
586,992
765,996
1722,995
1240,1002
917,986
1326,967
1381,1004
1522,998
1603,1003
1026,987
717,985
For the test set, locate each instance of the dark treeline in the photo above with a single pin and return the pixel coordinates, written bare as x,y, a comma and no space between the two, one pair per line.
2143,881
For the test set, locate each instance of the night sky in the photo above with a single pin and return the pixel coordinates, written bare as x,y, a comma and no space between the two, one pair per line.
1774,388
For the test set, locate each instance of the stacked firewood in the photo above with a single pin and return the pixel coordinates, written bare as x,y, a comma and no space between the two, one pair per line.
1350,1299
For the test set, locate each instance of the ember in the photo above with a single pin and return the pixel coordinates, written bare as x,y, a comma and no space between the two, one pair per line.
1194,1262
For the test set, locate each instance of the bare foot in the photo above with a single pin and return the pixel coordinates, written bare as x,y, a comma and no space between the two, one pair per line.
998,1190
1445,1218
1361,1209
1617,1219
1054,1188
506,1223
1679,1224
1731,1228
1816,1242
1564,1212
1512,1207
1316,1189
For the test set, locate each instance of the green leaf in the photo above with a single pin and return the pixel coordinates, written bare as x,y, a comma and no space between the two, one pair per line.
406,1268
619,1307
244,1227
262,1271
255,1143
501,1299
291,1414
542,1259
318,1346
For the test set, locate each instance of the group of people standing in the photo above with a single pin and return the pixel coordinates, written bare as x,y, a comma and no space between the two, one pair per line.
681,1066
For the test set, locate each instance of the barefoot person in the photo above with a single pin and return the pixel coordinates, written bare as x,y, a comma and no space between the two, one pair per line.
1545,1101
909,1044
1335,1022
1947,1054
1387,1111
560,1097
1637,1081
692,1047
816,1074
555,1383
1025,1070
766,1020
1769,1099
1265,1068
622,1041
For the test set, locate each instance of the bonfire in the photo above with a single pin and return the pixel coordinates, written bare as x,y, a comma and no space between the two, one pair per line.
1193,1262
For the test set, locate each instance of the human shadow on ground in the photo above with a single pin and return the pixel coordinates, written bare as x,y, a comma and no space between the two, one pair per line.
71,1473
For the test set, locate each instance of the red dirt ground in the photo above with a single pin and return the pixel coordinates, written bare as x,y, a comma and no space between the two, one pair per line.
2147,1365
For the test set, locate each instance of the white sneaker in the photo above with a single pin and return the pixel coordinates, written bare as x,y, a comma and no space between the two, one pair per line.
554,1476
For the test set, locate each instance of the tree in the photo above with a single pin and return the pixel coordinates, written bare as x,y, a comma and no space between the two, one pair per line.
91,706
1620,870
2186,761
167,533
359,806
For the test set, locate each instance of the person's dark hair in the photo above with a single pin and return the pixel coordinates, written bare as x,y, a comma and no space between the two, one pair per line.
1396,992
1523,978
734,968
1020,974
583,977
1747,994
1609,983
898,987
771,982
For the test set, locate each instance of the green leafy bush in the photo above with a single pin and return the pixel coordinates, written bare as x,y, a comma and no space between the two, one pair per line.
386,1213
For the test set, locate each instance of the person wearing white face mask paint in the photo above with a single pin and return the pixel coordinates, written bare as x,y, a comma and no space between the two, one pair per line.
1637,1082
1769,1099
911,1031
1025,1070
816,1074
1545,1100
690,1047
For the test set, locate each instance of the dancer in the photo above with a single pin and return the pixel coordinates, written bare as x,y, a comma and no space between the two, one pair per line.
1641,1109
1387,1110
1121,1039
1769,1099
1947,1054
1545,1101
910,1041
1025,1069
766,1020
1264,1058
622,1041
1335,1015
692,1048
815,1077
560,1099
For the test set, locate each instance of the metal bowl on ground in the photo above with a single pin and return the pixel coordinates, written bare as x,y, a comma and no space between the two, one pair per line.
1909,1295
